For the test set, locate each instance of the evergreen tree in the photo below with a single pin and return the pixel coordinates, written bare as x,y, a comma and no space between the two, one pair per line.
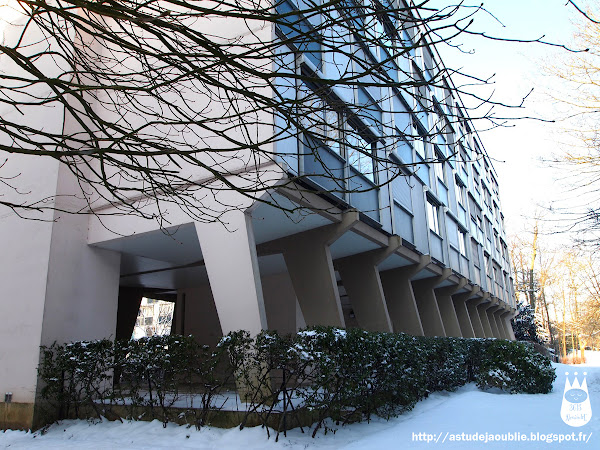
525,325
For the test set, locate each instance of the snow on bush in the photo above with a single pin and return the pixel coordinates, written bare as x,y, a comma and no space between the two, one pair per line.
321,375
515,367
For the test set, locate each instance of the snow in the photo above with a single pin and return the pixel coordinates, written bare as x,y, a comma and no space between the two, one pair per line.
440,418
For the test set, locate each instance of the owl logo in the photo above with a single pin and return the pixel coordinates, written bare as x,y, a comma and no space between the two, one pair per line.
576,410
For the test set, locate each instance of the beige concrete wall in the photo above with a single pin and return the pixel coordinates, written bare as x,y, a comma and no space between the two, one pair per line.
24,244
25,258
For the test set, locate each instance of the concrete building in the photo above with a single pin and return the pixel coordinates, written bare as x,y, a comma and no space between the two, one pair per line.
424,253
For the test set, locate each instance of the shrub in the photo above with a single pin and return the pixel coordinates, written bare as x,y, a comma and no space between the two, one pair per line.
514,367
333,375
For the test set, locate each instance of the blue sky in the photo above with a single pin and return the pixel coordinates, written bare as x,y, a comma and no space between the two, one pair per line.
518,68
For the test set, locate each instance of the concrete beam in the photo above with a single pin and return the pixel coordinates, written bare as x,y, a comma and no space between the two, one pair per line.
502,308
196,314
280,303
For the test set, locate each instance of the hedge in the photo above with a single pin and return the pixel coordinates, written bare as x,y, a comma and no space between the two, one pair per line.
330,375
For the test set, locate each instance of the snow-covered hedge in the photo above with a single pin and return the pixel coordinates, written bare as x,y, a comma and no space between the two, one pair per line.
320,375
515,369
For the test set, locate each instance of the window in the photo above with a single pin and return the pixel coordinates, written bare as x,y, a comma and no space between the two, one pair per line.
370,111
420,140
438,166
405,53
428,63
359,152
475,253
422,91
402,116
462,159
447,100
487,196
408,42
324,119
488,266
299,33
459,189
321,119
433,217
163,319
403,148
475,179
488,229
462,242
374,31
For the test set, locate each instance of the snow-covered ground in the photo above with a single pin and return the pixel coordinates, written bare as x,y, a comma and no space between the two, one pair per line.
519,422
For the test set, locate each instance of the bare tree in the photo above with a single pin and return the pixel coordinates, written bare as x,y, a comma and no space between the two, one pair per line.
178,101
533,262
578,96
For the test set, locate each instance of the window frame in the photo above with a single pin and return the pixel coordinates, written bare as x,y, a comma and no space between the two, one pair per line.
433,216
439,165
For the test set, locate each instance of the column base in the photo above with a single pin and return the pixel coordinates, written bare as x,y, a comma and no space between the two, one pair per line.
16,416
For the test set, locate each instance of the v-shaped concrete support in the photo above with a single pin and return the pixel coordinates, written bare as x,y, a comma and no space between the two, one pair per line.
429,310
362,282
400,297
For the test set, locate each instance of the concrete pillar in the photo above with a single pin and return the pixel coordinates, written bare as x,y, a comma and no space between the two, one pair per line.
300,322
507,318
313,277
490,314
483,317
280,302
362,282
462,312
485,310
229,254
448,309
474,316
400,298
130,299
502,315
499,323
310,266
429,311
196,314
